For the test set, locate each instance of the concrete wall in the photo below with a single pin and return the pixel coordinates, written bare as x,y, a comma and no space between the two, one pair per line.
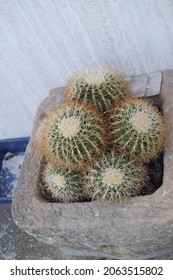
42,42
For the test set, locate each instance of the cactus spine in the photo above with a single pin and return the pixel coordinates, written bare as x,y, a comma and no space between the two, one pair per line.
137,128
102,86
61,184
72,135
114,178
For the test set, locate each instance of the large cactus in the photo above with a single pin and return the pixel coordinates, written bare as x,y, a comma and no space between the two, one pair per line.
61,184
114,178
137,128
72,135
102,86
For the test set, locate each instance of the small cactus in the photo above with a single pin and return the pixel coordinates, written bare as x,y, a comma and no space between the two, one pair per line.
61,184
137,128
102,86
114,178
72,135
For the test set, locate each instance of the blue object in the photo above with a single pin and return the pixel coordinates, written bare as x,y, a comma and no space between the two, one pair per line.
15,146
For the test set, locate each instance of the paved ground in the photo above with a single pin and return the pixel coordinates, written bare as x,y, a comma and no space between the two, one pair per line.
18,245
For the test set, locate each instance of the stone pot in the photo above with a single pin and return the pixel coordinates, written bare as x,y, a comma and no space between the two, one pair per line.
141,228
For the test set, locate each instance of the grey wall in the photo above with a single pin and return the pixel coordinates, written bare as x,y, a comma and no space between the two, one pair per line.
42,42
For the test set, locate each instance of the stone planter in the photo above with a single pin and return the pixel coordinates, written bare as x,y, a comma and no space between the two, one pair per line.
138,229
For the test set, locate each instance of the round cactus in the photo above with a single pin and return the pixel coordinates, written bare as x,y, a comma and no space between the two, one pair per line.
72,135
102,86
137,128
114,178
61,184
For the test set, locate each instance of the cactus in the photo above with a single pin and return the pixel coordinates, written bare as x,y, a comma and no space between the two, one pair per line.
114,178
102,86
61,184
72,135
137,128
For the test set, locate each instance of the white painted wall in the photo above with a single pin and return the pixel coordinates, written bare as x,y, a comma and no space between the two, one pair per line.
42,42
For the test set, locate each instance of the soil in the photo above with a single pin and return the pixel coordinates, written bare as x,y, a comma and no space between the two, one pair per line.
155,175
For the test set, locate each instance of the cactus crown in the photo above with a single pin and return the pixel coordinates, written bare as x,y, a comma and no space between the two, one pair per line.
103,86
113,178
137,128
61,184
72,135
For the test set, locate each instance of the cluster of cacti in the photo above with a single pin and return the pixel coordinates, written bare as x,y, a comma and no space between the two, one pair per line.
97,142
103,86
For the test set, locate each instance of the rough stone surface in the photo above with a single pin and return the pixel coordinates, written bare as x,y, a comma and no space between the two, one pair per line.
15,244
139,85
154,84
138,229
